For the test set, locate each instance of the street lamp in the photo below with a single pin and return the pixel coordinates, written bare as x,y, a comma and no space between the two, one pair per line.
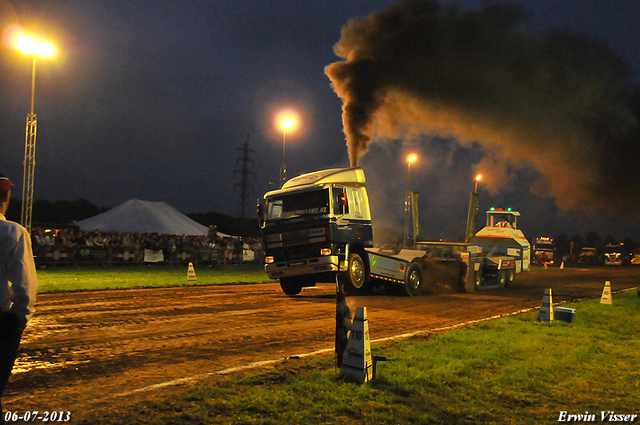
35,49
286,124
478,178
407,202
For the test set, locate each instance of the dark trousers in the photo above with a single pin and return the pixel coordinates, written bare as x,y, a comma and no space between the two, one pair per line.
10,335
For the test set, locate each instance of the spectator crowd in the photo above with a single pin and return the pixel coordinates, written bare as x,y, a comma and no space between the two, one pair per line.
71,245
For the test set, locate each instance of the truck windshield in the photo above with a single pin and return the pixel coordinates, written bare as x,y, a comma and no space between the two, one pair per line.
314,202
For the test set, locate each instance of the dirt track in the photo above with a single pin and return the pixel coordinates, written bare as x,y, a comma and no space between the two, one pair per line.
87,351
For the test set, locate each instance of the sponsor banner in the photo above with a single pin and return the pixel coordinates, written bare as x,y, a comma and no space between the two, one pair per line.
153,256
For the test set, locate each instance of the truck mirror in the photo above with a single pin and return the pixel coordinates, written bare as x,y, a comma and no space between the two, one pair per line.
260,211
342,199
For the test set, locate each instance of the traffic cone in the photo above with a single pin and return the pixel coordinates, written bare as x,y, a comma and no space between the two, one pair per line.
545,266
191,273
562,265
606,294
357,362
546,310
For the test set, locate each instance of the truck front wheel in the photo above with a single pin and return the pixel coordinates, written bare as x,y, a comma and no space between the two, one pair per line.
511,276
290,286
502,278
354,279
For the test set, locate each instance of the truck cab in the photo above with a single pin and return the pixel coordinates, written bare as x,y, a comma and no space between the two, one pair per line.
314,225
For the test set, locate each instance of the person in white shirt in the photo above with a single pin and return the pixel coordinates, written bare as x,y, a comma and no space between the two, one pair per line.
504,222
18,286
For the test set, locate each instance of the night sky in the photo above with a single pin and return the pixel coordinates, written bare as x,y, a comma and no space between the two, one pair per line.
154,100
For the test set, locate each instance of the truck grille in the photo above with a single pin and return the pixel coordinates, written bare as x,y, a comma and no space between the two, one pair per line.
296,253
296,237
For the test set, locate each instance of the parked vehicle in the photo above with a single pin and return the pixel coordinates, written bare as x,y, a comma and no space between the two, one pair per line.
588,257
544,251
616,255
635,257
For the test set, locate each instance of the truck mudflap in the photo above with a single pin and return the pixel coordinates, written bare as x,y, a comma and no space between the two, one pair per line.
329,263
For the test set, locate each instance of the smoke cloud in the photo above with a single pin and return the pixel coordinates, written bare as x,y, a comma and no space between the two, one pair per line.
559,103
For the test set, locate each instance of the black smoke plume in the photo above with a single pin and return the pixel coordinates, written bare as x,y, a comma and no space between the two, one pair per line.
557,102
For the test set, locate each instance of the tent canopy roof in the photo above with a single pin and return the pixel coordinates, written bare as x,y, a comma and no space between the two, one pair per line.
144,217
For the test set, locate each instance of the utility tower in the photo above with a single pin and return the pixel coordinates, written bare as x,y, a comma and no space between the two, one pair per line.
245,186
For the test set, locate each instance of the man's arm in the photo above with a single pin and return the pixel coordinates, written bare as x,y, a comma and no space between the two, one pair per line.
24,282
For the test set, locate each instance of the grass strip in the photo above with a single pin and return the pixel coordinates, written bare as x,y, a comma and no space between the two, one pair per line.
74,278
513,370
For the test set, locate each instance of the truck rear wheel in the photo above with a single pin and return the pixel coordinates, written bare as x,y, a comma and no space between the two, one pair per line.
354,279
290,286
413,285
478,279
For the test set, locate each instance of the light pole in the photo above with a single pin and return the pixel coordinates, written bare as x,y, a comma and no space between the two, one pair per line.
30,47
407,202
286,123
472,214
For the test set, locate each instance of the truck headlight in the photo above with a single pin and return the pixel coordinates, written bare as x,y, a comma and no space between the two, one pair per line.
325,251
269,259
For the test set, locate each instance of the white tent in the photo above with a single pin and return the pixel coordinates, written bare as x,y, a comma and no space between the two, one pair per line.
144,217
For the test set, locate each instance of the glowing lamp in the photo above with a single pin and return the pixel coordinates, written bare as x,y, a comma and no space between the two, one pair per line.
287,123
478,178
29,46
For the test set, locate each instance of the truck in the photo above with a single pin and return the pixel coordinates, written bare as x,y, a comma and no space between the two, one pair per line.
544,251
635,257
617,255
588,256
318,228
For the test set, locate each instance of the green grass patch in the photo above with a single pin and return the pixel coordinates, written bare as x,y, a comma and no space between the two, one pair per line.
514,370
86,278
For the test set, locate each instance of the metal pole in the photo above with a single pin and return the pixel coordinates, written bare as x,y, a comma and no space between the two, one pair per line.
407,206
29,157
33,84
283,168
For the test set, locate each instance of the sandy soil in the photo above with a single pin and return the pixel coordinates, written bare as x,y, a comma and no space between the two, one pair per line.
88,352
